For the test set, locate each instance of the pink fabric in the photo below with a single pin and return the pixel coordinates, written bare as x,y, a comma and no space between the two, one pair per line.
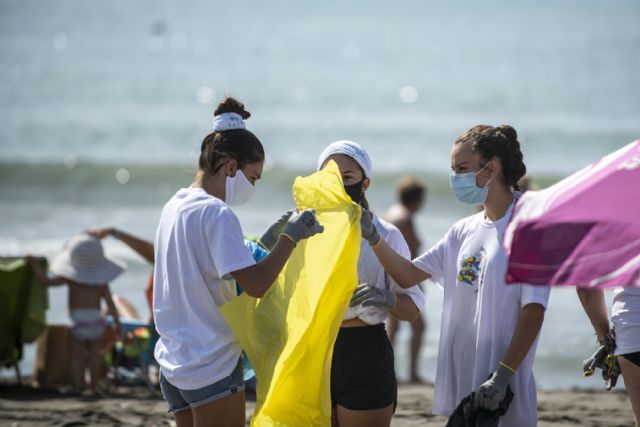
583,231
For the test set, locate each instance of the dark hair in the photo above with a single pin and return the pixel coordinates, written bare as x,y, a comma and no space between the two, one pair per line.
238,144
410,190
500,142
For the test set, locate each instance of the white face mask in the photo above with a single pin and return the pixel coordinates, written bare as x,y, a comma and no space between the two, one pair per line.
238,189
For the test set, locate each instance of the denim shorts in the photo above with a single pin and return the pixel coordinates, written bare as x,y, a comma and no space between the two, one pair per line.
179,399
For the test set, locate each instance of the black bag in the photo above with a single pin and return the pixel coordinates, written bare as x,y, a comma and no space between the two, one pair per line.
466,416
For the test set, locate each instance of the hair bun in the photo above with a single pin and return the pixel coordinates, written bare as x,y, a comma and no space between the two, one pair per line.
232,105
509,132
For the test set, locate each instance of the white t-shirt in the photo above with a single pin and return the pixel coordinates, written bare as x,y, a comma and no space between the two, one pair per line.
479,316
625,315
198,242
372,272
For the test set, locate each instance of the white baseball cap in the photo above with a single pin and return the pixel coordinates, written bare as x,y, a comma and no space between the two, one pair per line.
351,149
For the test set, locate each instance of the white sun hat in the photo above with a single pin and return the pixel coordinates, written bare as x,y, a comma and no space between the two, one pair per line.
351,149
82,259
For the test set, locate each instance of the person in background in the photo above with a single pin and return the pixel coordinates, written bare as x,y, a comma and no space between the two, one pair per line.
200,255
363,380
489,330
84,268
624,335
142,247
411,195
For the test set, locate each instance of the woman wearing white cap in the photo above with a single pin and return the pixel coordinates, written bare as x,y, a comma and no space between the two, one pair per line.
200,250
363,380
84,268
489,329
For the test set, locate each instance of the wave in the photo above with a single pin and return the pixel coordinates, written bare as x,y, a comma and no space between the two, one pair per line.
154,180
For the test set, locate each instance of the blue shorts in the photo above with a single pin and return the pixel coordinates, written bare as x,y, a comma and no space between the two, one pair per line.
179,399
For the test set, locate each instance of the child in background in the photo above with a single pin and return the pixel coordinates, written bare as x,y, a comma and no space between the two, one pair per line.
83,267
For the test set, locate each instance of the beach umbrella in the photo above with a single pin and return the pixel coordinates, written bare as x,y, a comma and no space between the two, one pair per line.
583,231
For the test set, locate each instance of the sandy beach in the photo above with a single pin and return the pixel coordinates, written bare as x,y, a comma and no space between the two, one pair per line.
137,406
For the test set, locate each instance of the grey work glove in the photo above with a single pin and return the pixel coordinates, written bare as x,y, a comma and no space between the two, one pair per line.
604,359
493,391
369,231
270,237
370,296
302,225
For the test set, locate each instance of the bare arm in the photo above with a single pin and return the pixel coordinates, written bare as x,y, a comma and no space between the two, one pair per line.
144,248
405,308
399,268
112,307
592,301
40,274
257,279
524,335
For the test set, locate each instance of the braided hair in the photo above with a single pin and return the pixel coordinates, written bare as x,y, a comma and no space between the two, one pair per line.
500,142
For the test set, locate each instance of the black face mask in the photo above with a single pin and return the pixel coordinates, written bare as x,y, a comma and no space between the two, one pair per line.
355,191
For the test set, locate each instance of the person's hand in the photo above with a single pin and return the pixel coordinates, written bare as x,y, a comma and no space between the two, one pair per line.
605,359
368,228
608,341
493,391
370,296
302,225
270,237
101,233
32,261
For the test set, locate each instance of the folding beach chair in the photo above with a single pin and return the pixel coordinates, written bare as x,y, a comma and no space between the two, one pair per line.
23,304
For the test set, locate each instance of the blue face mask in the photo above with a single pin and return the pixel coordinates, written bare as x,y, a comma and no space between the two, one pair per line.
465,189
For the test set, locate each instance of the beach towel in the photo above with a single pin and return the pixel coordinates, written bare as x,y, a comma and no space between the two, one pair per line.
289,333
465,416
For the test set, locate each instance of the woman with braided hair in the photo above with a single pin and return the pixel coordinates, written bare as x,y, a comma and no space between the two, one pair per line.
489,330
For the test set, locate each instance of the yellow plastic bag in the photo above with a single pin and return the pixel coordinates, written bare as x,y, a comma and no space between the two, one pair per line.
289,333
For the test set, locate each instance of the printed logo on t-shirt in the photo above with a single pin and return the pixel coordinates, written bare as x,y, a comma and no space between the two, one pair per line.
469,271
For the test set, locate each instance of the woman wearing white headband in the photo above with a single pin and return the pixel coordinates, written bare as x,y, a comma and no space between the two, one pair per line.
200,250
363,380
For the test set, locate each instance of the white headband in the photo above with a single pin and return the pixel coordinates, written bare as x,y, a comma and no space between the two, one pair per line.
228,121
351,149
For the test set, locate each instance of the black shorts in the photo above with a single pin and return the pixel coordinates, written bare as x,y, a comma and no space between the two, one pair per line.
633,357
363,376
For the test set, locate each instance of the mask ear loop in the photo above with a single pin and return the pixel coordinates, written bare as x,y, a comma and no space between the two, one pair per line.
221,165
490,179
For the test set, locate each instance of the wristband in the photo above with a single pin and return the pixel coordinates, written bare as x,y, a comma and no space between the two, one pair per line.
290,238
504,365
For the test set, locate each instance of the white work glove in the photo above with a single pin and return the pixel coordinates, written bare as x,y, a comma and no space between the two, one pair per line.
368,228
370,296
302,225
493,391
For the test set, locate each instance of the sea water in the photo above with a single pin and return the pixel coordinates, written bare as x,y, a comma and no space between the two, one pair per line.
103,107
